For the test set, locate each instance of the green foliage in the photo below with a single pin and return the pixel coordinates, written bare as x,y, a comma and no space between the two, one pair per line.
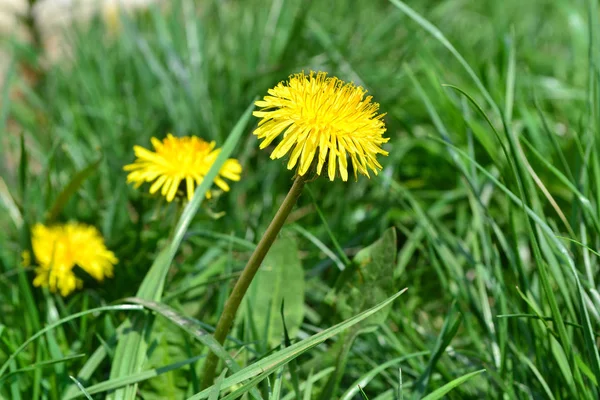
441,392
279,282
365,283
489,197
370,281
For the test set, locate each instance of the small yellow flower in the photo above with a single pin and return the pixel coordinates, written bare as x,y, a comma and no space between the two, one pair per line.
179,160
58,249
315,112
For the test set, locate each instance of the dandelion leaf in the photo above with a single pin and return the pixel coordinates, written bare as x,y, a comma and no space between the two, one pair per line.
279,279
372,280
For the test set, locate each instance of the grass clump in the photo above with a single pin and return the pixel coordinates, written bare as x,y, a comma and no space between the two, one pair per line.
490,186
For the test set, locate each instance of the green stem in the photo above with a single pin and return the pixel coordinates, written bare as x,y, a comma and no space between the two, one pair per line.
242,284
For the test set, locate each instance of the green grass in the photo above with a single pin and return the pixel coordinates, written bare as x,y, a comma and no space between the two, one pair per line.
492,186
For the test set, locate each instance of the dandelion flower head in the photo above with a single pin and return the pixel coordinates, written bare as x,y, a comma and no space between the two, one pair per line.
179,161
59,248
324,117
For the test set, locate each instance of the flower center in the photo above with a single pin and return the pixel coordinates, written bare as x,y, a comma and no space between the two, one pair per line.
185,156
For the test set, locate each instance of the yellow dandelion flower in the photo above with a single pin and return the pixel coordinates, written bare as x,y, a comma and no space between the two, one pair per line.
316,113
59,248
179,160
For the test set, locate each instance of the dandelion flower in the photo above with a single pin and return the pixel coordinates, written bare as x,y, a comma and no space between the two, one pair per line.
58,249
324,117
177,161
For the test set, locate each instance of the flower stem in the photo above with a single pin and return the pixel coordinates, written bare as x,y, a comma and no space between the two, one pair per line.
235,298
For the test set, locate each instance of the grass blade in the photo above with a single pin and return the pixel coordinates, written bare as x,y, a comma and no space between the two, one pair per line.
81,388
441,392
368,377
449,330
69,190
42,364
113,384
439,36
214,394
121,307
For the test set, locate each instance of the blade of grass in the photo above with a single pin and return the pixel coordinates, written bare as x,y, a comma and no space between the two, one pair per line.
362,393
538,375
335,242
439,36
368,377
216,390
315,378
81,388
276,394
441,392
70,189
308,388
121,307
112,384
292,365
40,365
10,205
449,330
320,245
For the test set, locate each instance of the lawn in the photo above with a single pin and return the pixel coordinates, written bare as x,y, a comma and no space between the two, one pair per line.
465,268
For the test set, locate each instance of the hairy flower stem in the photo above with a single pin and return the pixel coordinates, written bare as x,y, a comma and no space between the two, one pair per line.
242,284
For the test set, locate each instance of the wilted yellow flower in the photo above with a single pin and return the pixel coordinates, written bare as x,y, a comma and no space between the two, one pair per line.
179,160
315,112
59,248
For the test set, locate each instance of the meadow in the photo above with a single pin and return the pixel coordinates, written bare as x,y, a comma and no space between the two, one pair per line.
465,269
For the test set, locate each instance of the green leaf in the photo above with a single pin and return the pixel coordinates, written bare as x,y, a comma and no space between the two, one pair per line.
280,279
372,280
441,392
